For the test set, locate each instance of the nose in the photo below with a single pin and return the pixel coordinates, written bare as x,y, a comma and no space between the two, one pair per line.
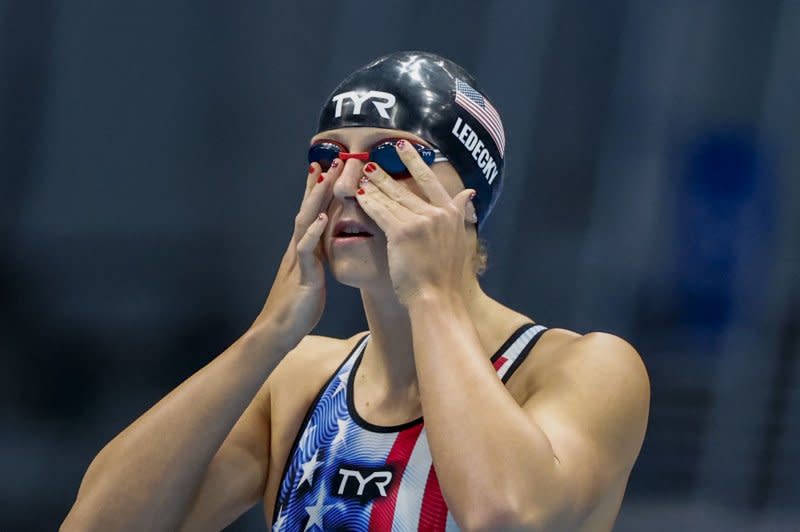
347,182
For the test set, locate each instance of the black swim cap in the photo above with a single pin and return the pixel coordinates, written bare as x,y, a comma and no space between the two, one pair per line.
435,99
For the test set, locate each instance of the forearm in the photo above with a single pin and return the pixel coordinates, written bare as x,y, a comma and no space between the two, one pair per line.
146,477
490,457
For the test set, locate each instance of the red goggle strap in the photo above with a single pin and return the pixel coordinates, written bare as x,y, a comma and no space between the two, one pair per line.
361,156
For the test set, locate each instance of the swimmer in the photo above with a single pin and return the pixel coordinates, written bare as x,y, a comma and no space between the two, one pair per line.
451,412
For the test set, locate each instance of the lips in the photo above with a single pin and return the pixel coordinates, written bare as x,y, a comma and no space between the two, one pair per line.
350,229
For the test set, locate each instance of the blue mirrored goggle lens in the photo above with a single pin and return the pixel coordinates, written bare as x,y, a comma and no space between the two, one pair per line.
384,155
324,154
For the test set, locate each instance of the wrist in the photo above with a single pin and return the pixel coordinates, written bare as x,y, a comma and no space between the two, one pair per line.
434,299
270,339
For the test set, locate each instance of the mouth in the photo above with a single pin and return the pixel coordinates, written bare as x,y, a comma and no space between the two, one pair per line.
350,230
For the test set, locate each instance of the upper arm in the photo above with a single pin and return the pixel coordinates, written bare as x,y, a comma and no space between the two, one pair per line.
592,405
236,476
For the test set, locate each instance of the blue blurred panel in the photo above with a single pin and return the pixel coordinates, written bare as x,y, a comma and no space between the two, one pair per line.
725,211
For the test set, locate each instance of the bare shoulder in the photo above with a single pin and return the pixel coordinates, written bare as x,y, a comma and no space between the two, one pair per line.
312,362
598,356
595,355
298,379
595,387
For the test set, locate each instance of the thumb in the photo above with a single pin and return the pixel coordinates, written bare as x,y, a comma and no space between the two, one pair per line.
463,201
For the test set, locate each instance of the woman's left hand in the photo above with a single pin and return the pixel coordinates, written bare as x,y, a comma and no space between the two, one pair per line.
427,242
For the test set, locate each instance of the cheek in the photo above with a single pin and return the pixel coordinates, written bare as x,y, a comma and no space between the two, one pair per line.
331,209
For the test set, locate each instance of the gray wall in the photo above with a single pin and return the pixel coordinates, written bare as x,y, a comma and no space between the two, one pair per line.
152,159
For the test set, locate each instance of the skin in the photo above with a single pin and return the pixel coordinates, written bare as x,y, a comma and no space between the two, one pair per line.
550,450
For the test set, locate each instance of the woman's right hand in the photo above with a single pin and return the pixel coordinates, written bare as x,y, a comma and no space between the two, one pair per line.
297,297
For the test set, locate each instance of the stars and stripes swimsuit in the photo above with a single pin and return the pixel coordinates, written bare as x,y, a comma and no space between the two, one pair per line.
344,473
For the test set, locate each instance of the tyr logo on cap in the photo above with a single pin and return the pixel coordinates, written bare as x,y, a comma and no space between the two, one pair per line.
381,100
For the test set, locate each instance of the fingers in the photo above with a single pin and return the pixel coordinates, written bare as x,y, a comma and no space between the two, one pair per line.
391,205
395,190
318,196
314,170
385,211
306,249
463,202
422,174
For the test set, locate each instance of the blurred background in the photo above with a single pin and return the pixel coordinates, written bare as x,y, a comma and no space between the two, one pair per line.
153,158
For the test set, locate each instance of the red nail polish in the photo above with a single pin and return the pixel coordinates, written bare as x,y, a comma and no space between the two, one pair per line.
311,169
400,144
360,191
321,178
370,167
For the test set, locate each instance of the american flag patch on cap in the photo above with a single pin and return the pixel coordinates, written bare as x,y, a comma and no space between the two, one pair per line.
481,110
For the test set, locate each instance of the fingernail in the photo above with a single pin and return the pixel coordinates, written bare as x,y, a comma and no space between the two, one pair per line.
370,167
360,192
400,144
321,178
311,169
363,181
320,217
335,163
472,195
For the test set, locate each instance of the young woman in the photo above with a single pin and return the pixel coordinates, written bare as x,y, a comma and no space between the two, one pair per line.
452,411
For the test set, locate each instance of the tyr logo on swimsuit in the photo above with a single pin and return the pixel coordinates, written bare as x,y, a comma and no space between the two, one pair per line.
381,100
363,483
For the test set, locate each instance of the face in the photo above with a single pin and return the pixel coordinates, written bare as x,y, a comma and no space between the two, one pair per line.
361,261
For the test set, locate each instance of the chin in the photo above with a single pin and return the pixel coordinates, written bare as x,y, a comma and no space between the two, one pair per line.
357,272
360,266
